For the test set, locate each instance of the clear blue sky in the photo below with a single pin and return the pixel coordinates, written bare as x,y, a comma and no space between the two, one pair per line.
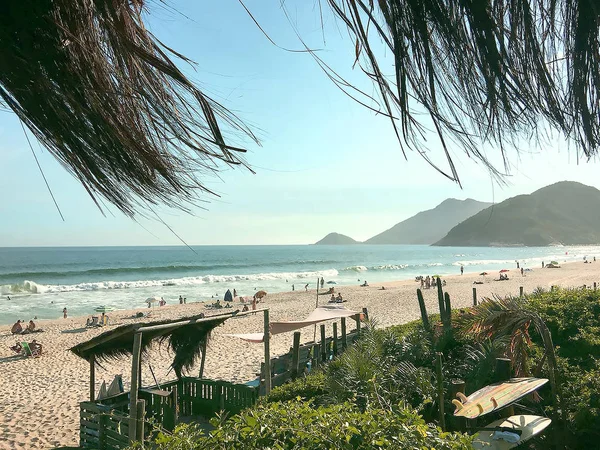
326,164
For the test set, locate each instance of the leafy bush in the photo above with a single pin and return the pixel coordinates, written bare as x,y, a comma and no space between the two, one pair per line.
301,425
311,387
378,369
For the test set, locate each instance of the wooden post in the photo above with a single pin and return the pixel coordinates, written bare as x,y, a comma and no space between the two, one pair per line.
102,431
140,375
335,339
521,291
503,373
315,352
92,378
323,344
474,296
440,389
201,374
296,355
357,319
133,395
175,400
344,337
423,308
316,306
456,387
594,285
266,340
140,418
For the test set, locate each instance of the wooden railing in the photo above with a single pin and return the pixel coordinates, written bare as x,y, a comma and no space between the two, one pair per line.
104,424
102,428
315,353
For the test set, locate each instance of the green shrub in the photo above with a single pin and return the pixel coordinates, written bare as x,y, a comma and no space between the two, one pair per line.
301,425
310,387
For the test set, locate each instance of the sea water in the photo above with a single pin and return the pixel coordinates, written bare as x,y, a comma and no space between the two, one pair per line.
42,281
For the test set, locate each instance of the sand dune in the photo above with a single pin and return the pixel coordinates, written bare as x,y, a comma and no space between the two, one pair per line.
39,397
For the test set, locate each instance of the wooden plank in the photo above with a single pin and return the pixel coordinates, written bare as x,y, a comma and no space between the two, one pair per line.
266,339
133,397
344,335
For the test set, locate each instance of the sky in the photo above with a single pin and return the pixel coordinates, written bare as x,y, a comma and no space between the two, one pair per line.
325,163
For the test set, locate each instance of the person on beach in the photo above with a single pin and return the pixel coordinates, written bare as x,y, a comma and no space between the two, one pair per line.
322,282
185,300
254,304
339,299
17,328
332,299
522,274
180,300
293,288
365,284
31,326
422,282
65,312
245,308
462,269
542,264
306,287
234,293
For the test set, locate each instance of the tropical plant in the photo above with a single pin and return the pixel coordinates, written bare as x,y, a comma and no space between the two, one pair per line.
101,92
510,319
300,425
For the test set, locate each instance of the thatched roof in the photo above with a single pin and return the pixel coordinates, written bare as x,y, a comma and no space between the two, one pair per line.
185,337
103,95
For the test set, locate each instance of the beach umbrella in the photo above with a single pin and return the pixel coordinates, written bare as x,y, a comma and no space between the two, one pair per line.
261,294
104,309
504,270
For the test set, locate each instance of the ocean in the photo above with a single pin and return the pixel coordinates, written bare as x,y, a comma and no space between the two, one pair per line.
42,281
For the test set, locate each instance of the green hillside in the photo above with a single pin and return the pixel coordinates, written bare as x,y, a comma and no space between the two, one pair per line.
336,239
563,213
430,226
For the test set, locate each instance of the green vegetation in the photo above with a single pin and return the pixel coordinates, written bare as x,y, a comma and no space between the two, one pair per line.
381,392
566,213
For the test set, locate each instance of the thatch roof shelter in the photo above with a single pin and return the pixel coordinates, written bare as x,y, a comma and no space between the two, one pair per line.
186,337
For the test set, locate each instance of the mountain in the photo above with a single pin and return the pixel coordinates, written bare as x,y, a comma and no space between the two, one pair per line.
563,213
336,239
430,226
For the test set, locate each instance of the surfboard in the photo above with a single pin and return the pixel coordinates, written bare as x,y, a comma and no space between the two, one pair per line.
528,426
495,396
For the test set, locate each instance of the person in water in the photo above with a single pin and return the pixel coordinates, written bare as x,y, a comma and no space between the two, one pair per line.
65,312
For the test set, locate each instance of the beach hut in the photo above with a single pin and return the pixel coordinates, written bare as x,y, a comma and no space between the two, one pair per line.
114,422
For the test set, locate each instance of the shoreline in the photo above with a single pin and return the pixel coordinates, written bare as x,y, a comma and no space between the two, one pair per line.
39,406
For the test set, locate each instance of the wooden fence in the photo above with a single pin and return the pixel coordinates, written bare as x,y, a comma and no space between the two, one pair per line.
102,428
311,353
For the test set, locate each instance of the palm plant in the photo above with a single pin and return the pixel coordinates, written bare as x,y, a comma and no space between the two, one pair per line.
510,319
103,95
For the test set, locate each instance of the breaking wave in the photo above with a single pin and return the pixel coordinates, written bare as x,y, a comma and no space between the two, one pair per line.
32,287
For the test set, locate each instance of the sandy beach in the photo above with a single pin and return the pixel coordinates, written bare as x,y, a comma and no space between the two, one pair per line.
39,399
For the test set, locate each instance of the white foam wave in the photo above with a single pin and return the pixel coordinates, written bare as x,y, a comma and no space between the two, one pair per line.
32,287
390,267
357,268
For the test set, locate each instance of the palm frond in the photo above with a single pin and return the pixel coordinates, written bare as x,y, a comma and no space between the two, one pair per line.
102,94
482,71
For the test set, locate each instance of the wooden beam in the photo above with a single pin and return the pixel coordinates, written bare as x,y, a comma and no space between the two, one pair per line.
344,337
266,339
323,344
296,355
92,378
335,339
202,361
133,395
